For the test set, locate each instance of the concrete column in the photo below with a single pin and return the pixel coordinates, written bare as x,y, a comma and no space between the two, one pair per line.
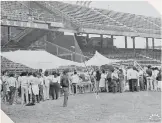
146,43
87,38
112,38
153,44
134,47
101,40
8,33
133,39
126,42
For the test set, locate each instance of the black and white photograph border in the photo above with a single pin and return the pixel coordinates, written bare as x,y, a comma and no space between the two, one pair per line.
81,61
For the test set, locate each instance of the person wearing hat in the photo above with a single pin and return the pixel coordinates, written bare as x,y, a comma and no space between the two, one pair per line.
64,82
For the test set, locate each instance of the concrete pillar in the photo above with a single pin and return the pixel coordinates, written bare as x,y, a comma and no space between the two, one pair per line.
101,40
146,43
8,33
133,39
87,38
134,47
153,44
112,38
126,42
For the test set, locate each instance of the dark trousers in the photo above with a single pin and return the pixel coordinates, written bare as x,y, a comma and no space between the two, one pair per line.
55,87
41,92
11,94
74,87
114,86
65,90
130,85
141,82
35,98
134,85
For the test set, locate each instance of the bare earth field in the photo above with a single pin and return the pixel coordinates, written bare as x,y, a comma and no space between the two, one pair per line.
127,107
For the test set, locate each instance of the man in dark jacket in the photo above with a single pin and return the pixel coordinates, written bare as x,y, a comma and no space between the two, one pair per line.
64,82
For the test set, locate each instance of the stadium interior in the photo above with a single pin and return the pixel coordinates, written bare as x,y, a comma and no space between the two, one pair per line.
41,25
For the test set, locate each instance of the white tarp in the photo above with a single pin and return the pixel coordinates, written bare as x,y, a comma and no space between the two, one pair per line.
99,60
37,59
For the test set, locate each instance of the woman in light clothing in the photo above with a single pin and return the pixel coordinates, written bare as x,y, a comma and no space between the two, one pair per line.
31,81
102,81
35,88
47,85
41,87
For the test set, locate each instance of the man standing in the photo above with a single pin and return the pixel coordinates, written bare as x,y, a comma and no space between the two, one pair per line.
154,76
149,78
121,81
65,86
141,80
24,88
128,78
133,76
75,80
12,86
5,87
114,78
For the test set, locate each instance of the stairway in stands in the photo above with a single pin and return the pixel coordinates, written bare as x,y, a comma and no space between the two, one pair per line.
26,38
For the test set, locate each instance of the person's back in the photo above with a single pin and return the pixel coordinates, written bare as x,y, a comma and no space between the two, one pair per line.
75,78
98,76
24,81
159,76
65,86
64,81
134,74
109,75
149,72
11,81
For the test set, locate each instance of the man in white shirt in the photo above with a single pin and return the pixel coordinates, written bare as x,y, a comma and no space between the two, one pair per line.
41,87
129,78
133,77
24,87
75,80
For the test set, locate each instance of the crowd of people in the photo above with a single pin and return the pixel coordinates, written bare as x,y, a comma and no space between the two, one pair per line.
34,87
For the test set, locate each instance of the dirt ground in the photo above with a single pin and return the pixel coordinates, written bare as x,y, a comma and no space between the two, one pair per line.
126,107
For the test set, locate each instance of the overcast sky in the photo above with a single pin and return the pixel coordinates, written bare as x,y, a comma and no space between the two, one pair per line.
134,7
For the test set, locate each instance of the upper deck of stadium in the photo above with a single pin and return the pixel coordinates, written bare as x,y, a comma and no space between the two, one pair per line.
80,19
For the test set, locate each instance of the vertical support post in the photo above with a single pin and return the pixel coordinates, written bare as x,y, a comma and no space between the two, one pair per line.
8,33
101,40
133,39
112,38
134,48
57,50
153,44
126,42
146,43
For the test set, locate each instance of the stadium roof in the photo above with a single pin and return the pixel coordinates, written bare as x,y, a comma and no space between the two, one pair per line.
82,19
